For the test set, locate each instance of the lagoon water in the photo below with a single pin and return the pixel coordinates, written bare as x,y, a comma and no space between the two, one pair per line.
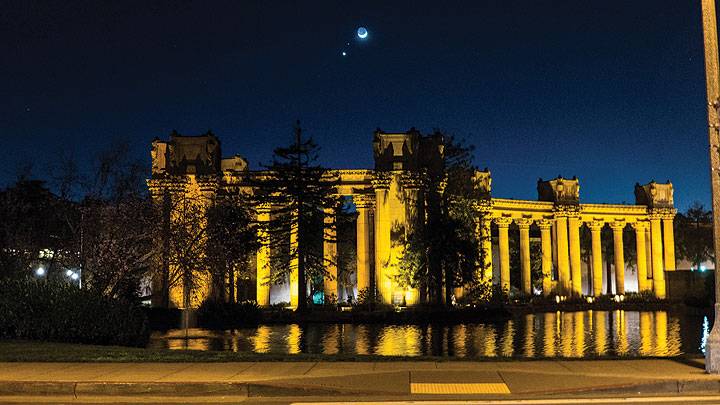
553,334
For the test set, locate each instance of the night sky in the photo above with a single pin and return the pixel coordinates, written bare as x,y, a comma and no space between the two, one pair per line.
609,91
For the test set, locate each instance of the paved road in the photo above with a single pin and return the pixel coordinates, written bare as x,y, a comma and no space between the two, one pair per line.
556,381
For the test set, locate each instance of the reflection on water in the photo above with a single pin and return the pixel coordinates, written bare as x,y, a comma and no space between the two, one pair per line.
553,334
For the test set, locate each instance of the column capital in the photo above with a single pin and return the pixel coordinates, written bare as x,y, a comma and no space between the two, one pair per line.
640,226
381,180
566,210
595,226
483,206
661,213
503,222
523,223
412,180
364,201
171,184
617,225
544,223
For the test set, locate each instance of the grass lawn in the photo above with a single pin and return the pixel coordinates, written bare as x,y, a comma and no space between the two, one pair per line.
25,351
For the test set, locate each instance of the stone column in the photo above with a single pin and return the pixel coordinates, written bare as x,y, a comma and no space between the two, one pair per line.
546,244
263,259
330,281
562,252
575,262
669,242
504,248
597,268
617,228
641,258
485,222
657,256
648,256
526,282
382,238
364,205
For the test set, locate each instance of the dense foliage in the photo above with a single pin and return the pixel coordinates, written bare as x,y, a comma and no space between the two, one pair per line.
58,311
300,196
214,314
441,251
694,235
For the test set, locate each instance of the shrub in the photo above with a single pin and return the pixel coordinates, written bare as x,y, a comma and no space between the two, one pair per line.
163,318
641,297
214,314
57,311
368,300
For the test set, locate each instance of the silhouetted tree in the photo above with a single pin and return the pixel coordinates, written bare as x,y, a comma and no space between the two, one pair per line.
33,230
442,250
231,240
694,235
297,191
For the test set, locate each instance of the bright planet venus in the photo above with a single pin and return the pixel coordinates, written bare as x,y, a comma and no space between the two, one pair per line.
362,32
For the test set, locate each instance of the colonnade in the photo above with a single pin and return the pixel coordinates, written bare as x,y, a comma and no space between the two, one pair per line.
561,250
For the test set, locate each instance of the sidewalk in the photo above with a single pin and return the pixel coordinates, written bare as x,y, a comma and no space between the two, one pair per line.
358,380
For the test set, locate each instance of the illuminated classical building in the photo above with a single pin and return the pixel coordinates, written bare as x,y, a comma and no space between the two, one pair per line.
388,199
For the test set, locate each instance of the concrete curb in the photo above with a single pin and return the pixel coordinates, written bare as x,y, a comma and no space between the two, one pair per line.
663,386
174,389
86,389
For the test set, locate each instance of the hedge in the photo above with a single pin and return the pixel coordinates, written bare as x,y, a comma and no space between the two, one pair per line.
57,311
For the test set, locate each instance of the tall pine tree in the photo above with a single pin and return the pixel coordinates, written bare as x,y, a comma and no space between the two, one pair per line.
298,192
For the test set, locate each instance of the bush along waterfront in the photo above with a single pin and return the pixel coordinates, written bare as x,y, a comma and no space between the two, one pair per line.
488,304
60,312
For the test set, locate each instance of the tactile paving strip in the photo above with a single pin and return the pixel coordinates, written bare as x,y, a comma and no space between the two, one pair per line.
459,388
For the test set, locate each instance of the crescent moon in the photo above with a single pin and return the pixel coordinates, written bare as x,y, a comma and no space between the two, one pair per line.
362,33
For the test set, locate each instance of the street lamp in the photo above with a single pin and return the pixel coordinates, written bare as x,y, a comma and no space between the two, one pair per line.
40,271
712,84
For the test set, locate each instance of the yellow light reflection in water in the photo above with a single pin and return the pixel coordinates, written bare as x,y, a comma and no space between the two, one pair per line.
189,344
261,340
552,334
362,340
579,328
486,340
549,338
661,333
507,339
601,332
674,339
459,337
529,335
622,347
330,340
394,341
646,334
293,339
566,334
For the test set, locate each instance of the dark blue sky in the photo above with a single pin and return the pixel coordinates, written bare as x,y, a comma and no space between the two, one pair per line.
610,91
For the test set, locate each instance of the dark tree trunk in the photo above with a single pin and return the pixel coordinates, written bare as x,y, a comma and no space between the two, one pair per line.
231,284
302,284
448,287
